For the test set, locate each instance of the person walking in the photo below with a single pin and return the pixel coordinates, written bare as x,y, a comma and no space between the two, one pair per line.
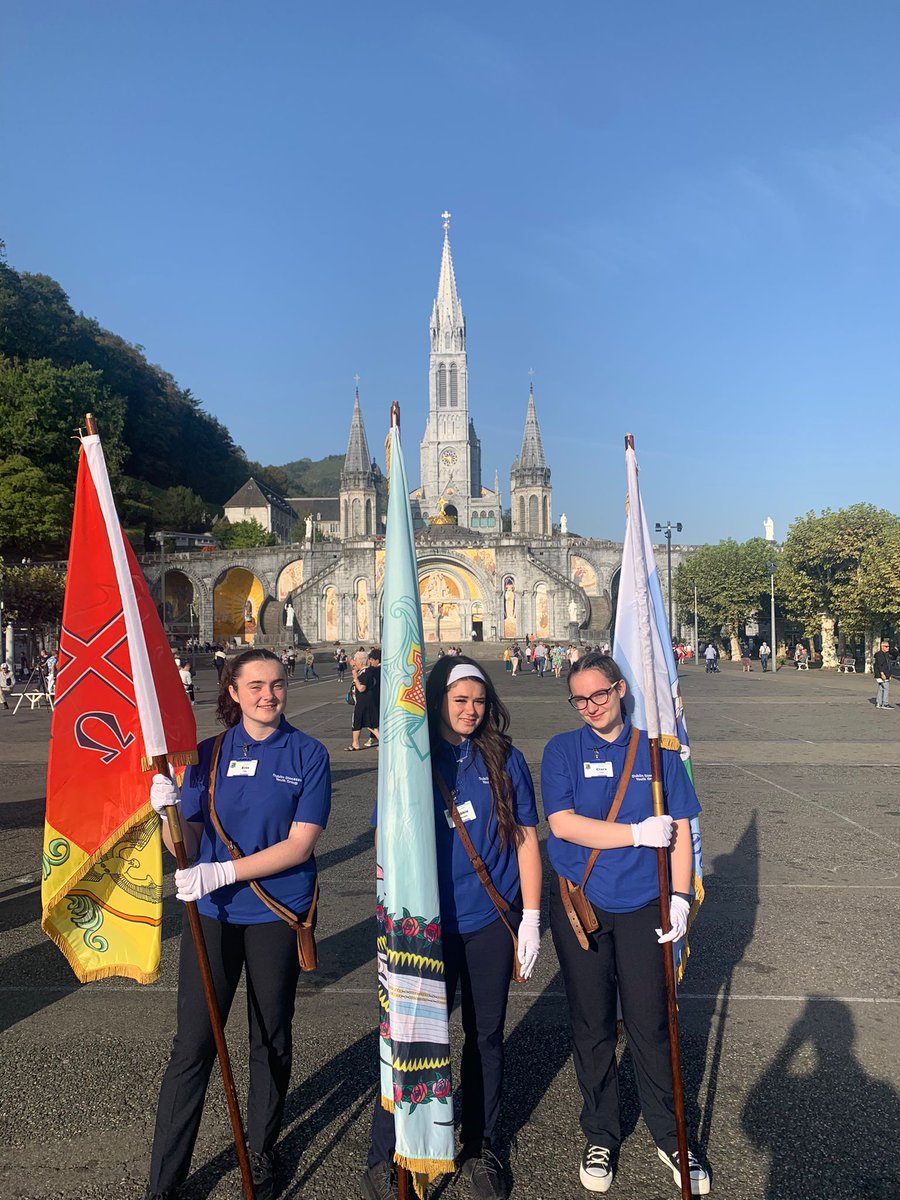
6,683
267,787
219,660
184,671
484,778
882,667
309,665
597,797
765,652
746,665
540,658
367,686
516,659
710,655
341,663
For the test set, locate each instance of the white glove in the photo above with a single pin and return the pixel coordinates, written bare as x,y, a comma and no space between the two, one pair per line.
529,940
652,831
678,918
195,882
163,794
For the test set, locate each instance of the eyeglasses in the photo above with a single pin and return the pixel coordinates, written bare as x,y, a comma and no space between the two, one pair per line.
581,702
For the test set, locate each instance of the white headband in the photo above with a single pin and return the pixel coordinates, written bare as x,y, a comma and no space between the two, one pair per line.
464,671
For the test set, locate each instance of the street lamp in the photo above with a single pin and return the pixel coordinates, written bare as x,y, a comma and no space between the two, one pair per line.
772,567
667,531
696,637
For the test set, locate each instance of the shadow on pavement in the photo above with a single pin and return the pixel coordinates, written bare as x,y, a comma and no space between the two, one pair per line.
829,1128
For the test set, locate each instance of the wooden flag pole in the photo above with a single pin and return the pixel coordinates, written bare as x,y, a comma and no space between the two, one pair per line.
662,862
215,1017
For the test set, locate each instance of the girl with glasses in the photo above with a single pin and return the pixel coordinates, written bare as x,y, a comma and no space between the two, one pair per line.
581,774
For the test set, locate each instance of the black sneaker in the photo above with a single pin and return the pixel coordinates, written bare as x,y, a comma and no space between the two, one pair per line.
170,1195
378,1183
484,1172
699,1174
596,1168
262,1168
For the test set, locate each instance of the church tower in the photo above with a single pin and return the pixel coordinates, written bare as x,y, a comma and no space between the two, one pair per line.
362,484
450,452
531,495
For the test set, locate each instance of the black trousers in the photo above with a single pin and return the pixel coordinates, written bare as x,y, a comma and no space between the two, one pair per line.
625,957
481,962
269,954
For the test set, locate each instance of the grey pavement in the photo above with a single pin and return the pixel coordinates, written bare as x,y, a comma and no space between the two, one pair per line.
789,1011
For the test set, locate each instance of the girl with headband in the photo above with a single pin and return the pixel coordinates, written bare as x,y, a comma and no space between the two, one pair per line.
481,776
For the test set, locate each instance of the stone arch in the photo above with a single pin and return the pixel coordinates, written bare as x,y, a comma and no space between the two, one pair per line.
369,526
545,516
363,624
289,579
180,604
541,610
238,597
331,624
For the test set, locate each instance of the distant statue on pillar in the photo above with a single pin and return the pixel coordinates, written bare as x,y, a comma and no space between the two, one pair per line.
573,612
564,525
307,522
289,615
769,526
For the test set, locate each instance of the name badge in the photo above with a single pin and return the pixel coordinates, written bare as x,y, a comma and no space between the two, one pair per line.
242,766
598,770
466,811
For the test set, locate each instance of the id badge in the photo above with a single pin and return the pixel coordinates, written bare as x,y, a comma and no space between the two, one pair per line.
466,811
598,770
242,766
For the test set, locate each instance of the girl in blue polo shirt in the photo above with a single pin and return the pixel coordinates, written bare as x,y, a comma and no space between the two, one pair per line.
580,772
272,799
491,786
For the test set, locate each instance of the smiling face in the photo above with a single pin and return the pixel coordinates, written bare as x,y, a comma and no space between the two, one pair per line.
462,709
260,689
602,712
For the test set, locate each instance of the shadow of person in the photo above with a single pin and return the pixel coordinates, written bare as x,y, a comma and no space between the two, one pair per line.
718,944
829,1128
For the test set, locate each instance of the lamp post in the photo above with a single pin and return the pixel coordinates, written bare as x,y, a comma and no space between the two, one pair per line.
667,531
696,635
772,567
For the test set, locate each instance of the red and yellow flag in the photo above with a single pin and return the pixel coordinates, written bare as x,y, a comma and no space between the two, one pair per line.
119,703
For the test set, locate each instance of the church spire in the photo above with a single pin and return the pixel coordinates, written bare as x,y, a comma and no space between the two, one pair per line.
448,325
532,456
356,462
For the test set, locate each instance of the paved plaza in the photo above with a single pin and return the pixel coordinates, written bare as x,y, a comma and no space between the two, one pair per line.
789,1010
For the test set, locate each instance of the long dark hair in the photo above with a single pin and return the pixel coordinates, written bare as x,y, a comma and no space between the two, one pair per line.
490,737
228,711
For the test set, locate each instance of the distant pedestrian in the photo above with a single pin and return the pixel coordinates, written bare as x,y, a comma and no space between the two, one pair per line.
309,666
6,683
219,660
882,669
540,658
710,655
341,663
765,652
188,680
292,662
745,659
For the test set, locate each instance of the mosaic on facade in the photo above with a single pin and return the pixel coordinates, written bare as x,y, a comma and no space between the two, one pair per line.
290,579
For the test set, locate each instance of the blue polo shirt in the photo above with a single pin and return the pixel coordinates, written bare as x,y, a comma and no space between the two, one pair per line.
465,905
292,782
624,879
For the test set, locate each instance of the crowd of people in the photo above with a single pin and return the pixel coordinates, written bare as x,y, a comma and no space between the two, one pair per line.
253,809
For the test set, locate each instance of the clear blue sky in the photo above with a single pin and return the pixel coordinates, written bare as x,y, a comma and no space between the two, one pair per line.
684,217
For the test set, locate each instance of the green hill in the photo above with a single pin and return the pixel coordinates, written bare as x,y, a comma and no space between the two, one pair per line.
313,477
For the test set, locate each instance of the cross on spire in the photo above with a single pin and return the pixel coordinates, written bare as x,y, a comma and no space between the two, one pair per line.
445,217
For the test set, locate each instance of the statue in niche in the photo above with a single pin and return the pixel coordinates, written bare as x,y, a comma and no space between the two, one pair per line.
564,525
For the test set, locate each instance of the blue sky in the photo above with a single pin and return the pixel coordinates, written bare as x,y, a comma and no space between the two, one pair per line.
684,217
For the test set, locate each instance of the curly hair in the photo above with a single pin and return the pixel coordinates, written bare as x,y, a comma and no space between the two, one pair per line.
228,711
490,738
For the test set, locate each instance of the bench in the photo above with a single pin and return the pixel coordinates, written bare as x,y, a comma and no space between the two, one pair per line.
802,664
848,667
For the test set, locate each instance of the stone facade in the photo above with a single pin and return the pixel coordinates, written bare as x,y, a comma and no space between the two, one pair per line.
474,580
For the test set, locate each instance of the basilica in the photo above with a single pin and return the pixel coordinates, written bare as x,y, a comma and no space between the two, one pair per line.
477,580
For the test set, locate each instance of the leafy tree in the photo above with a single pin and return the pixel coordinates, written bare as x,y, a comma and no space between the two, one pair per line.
180,509
732,579
35,514
33,596
869,603
242,535
819,561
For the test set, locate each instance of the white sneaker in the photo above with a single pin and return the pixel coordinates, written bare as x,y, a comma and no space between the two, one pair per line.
699,1174
596,1172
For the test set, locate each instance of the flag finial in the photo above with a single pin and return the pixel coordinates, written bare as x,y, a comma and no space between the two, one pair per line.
629,441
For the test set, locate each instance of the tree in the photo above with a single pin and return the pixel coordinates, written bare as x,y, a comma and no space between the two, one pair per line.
242,535
819,561
869,604
180,509
33,596
732,579
35,514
